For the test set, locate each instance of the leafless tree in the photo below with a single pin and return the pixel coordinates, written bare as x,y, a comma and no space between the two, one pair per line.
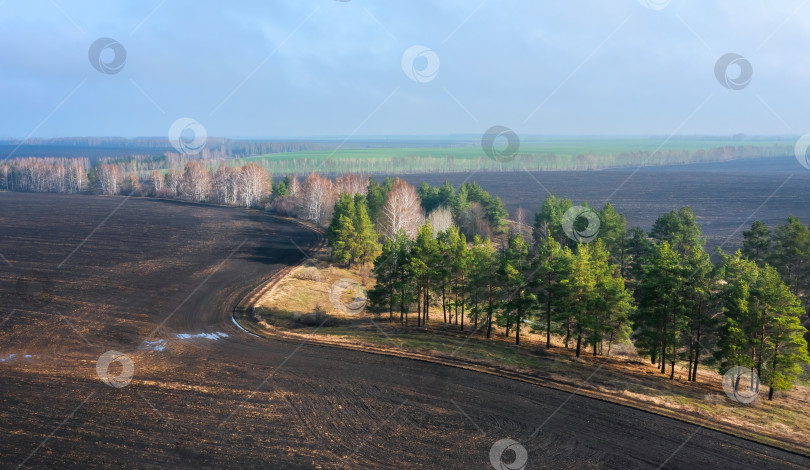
196,182
316,199
295,186
440,219
77,175
225,186
131,184
402,210
53,175
5,170
255,182
172,178
157,182
351,184
473,221
110,178
520,223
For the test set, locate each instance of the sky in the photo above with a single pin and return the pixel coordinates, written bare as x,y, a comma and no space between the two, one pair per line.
308,68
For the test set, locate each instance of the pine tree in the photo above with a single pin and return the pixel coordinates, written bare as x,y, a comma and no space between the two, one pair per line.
484,281
735,340
581,288
552,267
613,231
375,198
341,234
423,255
280,190
461,260
381,296
699,305
611,302
639,250
446,193
762,331
680,229
659,313
365,246
791,250
782,344
548,222
757,243
403,275
448,245
515,270
444,262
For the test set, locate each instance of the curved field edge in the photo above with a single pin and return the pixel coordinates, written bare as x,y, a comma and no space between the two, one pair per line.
243,315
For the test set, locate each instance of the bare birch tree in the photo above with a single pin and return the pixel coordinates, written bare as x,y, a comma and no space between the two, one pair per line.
157,181
351,184
173,179
317,199
109,178
255,182
440,219
520,223
402,210
196,182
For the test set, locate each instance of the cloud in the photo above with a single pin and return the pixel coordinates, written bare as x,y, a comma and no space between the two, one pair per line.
323,67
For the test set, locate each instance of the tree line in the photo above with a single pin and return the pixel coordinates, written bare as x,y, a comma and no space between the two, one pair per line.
658,290
453,249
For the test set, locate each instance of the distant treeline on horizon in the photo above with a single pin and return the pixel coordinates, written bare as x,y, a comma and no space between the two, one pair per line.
386,156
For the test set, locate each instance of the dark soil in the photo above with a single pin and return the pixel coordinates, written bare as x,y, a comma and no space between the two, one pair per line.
241,401
726,197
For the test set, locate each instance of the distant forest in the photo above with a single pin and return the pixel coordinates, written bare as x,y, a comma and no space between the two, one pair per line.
397,156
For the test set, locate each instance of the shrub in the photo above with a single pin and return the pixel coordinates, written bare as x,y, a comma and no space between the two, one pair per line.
309,274
316,318
284,206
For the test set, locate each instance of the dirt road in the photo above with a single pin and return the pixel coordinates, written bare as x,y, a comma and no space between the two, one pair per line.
157,281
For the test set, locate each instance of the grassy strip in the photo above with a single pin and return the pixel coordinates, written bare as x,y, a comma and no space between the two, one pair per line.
284,310
537,155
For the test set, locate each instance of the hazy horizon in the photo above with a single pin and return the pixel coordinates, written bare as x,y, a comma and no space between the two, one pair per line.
448,138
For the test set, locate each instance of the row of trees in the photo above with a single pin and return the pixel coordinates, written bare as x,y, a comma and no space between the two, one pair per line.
659,290
247,186
392,204
577,294
44,175
787,248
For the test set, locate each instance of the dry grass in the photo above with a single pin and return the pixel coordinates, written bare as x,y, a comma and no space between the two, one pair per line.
623,377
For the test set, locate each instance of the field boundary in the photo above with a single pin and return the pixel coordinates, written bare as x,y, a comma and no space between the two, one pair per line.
243,315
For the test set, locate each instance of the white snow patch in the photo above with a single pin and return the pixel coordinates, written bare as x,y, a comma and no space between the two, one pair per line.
242,328
212,336
158,345
13,357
